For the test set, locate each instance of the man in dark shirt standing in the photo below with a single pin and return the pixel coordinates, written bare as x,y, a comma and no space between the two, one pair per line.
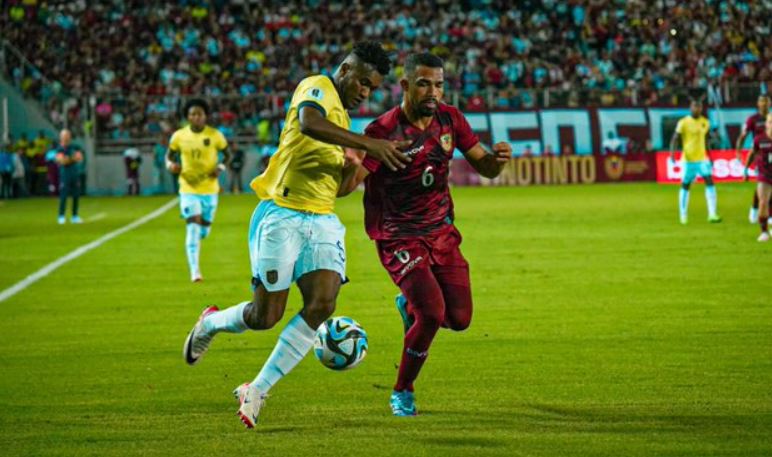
409,214
69,157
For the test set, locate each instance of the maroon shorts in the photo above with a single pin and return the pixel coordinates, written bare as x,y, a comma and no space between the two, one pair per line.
441,249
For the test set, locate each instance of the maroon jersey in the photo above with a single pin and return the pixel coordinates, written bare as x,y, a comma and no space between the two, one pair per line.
763,145
755,124
415,201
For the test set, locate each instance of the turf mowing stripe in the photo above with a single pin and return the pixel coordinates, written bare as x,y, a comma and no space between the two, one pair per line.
46,270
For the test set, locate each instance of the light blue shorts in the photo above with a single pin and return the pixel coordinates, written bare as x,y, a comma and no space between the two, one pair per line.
198,205
694,169
285,244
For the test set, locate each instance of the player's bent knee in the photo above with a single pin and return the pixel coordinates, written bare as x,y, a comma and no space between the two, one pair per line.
459,324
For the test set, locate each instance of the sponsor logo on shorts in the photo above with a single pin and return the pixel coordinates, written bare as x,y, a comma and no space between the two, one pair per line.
272,276
410,265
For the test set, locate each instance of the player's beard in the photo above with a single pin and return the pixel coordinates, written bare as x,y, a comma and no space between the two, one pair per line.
425,110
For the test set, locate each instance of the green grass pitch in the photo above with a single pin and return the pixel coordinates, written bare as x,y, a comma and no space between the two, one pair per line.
602,327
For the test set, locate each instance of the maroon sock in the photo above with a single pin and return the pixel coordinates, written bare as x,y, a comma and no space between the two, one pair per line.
755,200
428,307
763,222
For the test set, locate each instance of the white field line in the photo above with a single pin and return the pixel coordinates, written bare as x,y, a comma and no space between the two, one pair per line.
46,270
96,217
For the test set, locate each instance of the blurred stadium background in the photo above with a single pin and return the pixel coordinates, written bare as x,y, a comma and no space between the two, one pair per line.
602,326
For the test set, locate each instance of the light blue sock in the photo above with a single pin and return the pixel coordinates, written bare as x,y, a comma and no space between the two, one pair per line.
205,230
712,198
295,341
193,245
683,201
229,320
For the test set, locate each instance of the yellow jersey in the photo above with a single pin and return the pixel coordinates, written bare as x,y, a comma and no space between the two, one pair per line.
304,174
198,152
693,133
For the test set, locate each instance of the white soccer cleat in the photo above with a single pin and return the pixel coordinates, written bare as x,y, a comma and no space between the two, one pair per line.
763,238
251,401
197,342
683,219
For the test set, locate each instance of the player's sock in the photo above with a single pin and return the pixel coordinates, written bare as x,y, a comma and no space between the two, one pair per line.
712,199
193,245
755,201
229,320
764,223
683,202
295,341
428,306
205,230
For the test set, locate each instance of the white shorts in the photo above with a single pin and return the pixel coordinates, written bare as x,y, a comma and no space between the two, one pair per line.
285,244
204,205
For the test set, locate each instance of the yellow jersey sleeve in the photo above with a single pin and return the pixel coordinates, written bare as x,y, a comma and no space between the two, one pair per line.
304,173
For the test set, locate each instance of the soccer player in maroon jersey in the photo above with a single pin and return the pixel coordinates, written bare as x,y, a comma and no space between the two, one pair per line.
762,153
409,214
754,126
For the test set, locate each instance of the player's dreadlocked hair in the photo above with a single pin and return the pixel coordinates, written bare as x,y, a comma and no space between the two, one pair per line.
425,59
372,52
200,102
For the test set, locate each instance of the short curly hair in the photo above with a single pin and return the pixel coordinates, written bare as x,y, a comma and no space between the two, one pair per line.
200,102
371,52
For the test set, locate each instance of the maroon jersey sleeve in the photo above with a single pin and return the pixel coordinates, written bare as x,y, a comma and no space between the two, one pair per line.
373,130
750,124
465,137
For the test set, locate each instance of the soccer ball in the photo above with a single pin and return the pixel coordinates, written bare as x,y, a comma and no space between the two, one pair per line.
341,343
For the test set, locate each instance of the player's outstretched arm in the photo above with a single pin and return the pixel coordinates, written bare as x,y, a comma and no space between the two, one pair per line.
171,163
314,124
739,145
749,161
674,144
489,164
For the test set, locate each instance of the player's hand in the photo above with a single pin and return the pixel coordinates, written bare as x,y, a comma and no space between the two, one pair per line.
173,167
388,152
78,156
352,158
217,170
502,151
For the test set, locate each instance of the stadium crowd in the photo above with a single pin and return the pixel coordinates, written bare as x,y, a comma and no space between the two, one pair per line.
140,59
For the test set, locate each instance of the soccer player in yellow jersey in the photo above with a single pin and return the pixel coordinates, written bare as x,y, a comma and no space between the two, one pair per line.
693,132
294,234
198,146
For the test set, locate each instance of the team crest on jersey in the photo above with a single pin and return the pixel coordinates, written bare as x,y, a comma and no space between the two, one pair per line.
206,141
446,141
272,276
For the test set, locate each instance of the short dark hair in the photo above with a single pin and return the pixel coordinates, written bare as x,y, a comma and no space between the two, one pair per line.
200,102
426,59
371,52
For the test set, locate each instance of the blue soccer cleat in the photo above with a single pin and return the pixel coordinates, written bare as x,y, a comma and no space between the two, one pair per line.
407,319
402,403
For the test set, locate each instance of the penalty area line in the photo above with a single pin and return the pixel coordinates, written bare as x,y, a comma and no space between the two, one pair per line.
48,269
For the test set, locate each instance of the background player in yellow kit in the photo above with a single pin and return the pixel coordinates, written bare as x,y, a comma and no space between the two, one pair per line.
197,145
693,132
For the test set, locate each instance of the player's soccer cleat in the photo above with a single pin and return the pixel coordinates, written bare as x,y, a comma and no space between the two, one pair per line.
763,238
197,342
684,219
76,220
714,219
61,220
402,403
251,401
196,277
407,319
753,215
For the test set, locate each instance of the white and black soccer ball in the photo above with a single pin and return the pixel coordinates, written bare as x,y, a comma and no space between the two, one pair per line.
341,343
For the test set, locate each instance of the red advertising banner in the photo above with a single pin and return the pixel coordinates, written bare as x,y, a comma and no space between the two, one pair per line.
564,169
726,167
